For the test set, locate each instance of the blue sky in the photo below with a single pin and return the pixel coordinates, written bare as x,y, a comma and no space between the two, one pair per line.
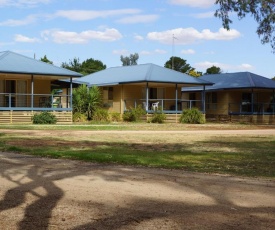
106,29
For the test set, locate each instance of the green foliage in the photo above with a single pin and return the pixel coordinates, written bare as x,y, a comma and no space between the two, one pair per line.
178,64
86,100
134,114
213,70
131,60
194,73
79,117
91,66
80,99
101,115
73,65
192,116
44,118
94,100
86,67
261,10
45,59
114,116
158,117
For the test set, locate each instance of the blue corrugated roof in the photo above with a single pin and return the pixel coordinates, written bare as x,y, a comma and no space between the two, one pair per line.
235,81
11,62
140,73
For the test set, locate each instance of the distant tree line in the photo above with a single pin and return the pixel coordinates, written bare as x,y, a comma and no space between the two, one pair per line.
92,65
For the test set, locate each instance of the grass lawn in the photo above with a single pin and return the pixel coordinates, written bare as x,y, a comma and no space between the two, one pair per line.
251,155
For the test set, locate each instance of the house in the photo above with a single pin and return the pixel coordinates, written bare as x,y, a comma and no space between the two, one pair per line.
241,96
25,89
147,85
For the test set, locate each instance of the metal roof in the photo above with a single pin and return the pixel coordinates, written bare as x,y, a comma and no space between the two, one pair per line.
11,62
140,73
239,80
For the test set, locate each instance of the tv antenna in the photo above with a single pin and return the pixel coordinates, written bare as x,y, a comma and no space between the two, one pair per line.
173,47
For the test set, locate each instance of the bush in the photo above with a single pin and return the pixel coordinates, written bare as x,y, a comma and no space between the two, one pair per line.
192,116
134,114
44,118
101,115
114,116
86,100
158,117
79,117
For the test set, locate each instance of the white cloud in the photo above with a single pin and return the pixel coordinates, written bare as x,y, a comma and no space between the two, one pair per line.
138,19
121,52
23,3
204,15
22,22
224,67
59,36
139,38
193,3
245,67
207,64
189,51
190,35
22,38
84,15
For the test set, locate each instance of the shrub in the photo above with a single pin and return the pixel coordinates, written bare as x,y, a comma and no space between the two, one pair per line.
129,116
134,114
192,116
44,118
86,100
101,115
158,117
79,117
114,116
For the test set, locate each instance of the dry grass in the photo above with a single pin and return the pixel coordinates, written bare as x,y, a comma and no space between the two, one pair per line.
250,155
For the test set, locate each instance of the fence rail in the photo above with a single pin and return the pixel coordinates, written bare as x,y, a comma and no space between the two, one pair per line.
39,102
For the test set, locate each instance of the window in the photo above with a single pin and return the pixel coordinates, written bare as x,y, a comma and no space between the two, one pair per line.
108,96
10,89
246,98
154,93
10,86
108,93
192,98
211,100
247,102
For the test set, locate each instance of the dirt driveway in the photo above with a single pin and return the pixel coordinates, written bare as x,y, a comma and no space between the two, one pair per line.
41,193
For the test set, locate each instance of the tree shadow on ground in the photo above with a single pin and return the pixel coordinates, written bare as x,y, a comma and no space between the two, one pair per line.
38,213
139,212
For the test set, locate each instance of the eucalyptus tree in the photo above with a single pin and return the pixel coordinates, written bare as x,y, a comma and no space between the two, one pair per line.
261,10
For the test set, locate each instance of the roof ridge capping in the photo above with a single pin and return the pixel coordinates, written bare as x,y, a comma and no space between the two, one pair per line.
4,53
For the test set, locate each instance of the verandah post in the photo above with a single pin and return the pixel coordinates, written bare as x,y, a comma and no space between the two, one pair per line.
176,106
71,93
32,91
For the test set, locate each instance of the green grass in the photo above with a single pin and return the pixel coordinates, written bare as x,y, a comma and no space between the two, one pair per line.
132,126
252,156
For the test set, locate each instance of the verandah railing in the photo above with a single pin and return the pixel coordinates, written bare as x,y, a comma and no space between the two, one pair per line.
167,105
249,108
39,102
